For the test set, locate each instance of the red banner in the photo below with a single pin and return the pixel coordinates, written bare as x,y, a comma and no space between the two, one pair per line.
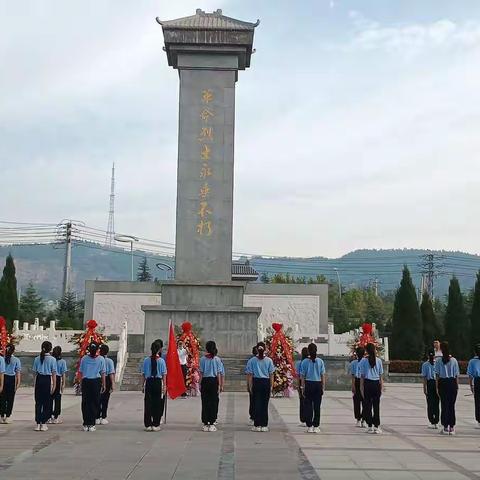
175,383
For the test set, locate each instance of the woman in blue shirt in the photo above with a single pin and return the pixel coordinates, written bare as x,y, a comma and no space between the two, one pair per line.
109,383
45,370
251,404
12,379
92,373
473,372
260,371
2,372
312,375
371,385
430,390
446,373
301,398
357,396
211,384
59,385
154,371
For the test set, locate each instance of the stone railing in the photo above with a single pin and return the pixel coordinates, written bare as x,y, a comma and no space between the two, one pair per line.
122,353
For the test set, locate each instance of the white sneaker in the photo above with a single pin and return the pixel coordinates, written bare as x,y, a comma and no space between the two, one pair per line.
156,429
97,421
302,424
251,422
149,429
43,428
93,428
359,423
206,428
436,427
50,420
2,419
432,426
316,430
363,424
444,431
452,431
212,428
370,430
85,428
310,430
103,421
162,421
7,420
377,430
38,428
265,429
256,429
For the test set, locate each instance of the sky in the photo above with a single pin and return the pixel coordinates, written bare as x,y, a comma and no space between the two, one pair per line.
356,125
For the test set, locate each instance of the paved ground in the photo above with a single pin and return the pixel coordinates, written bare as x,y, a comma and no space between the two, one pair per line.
122,450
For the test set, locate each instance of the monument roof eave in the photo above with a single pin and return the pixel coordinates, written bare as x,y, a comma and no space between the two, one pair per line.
207,21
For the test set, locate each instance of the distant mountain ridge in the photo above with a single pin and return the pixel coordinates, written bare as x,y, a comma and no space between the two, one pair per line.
43,265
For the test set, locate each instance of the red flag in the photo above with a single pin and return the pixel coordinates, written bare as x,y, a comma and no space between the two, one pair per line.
175,383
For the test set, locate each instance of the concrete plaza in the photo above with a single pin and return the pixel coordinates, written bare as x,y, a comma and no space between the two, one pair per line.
122,450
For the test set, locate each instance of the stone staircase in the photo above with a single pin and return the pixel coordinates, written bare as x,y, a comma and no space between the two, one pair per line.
235,380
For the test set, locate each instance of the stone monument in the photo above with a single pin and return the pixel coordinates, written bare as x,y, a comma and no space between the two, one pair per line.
208,50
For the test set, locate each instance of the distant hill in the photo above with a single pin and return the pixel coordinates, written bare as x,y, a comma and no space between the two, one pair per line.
43,264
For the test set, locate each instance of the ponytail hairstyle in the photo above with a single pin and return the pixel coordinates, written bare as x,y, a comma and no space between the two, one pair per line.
211,348
312,352
445,349
261,350
431,356
155,348
104,349
46,348
304,353
477,350
159,342
360,353
9,349
57,352
372,358
92,350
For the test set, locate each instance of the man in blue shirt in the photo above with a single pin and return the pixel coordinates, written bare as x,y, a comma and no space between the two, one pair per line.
473,372
2,372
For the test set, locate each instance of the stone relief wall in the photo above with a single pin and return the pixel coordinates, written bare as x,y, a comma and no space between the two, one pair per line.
299,312
112,309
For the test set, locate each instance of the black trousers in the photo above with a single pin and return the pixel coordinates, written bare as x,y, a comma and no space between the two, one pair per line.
43,398
433,403
210,400
476,396
7,397
371,405
184,372
357,401
153,402
90,400
57,398
105,397
261,395
313,402
301,401
448,390
251,405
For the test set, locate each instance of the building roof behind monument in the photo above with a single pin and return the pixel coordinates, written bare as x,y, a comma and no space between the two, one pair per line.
208,21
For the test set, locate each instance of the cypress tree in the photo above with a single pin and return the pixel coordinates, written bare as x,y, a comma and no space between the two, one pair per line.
143,273
431,326
457,327
475,314
8,292
407,330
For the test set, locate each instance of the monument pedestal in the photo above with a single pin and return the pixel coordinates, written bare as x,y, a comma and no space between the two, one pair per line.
214,307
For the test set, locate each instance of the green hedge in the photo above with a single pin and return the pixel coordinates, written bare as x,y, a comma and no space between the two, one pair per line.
415,366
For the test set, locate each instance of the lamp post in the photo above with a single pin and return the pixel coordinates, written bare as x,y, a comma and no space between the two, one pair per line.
128,239
163,267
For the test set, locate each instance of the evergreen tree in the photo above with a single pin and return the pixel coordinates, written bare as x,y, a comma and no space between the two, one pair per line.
407,331
475,314
143,272
457,325
31,305
69,312
8,293
431,326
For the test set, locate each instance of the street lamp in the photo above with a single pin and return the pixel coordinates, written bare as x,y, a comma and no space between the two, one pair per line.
339,284
127,239
163,267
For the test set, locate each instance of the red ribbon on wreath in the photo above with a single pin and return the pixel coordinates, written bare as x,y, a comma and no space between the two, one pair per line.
366,336
279,338
90,336
187,337
3,335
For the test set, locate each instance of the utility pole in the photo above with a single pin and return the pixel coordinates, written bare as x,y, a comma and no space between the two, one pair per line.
68,258
430,266
110,237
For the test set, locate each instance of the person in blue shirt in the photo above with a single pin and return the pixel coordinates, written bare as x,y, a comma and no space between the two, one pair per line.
260,371
357,396
251,409
59,385
12,380
473,372
154,371
109,383
2,372
370,369
446,376
301,398
45,371
312,376
92,374
211,384
430,390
